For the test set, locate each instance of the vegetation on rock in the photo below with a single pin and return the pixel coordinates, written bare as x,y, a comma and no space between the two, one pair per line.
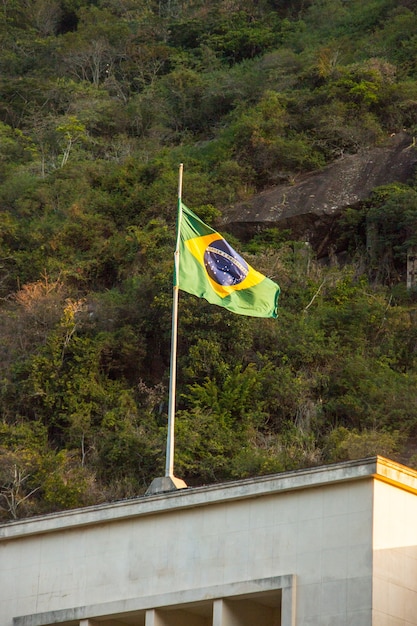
99,103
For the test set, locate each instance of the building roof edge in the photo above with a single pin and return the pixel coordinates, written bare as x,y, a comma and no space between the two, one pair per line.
376,467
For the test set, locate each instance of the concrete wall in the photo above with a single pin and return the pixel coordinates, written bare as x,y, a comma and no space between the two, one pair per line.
395,557
289,550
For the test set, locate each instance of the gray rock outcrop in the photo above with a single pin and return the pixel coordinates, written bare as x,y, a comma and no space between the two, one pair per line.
310,207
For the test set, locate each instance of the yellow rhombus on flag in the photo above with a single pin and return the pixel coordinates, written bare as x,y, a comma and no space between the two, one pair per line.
210,268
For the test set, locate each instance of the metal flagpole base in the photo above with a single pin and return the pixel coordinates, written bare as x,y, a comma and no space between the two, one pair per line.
164,484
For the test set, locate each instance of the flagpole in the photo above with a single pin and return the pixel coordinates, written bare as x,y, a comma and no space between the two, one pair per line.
169,482
169,465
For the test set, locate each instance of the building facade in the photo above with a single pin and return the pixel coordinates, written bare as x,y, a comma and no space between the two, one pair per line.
326,546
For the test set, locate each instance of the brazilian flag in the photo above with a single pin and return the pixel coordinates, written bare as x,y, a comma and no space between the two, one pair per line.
210,268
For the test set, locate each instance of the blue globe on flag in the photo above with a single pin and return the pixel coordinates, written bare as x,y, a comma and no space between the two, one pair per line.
223,264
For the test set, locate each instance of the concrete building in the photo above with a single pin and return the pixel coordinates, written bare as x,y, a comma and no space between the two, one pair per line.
327,546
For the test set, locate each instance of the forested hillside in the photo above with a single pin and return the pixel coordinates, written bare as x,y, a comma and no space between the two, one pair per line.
100,102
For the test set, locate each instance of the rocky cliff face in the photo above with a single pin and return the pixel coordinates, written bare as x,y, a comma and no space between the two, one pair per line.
311,207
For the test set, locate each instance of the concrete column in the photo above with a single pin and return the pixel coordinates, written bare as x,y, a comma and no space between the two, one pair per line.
288,604
218,612
235,615
176,617
152,619
244,612
222,616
